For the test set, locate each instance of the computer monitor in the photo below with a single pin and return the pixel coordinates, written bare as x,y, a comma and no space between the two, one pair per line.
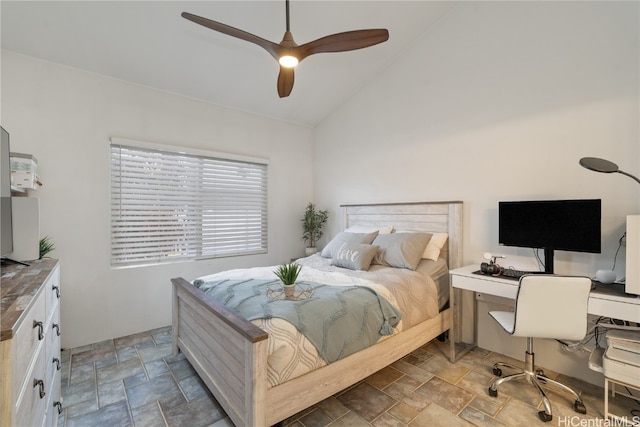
567,225
6,223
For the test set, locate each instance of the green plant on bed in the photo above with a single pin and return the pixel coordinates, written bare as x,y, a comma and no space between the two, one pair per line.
288,273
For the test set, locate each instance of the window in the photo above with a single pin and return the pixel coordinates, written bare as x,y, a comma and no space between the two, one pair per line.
170,205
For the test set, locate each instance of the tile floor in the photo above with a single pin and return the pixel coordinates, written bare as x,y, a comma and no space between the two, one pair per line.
134,381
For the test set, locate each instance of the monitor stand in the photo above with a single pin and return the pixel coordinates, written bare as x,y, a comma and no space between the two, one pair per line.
548,261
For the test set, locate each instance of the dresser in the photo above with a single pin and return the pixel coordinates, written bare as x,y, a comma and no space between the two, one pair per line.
30,344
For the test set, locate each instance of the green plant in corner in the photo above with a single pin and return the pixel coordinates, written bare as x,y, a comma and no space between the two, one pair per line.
46,246
288,273
313,224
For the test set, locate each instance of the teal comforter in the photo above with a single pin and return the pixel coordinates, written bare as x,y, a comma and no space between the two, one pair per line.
337,320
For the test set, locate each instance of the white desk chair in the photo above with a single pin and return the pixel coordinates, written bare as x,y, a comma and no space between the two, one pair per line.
547,306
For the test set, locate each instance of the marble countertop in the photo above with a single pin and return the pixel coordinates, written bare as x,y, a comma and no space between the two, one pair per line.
19,285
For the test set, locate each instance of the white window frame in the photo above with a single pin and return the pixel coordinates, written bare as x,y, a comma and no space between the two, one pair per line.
202,205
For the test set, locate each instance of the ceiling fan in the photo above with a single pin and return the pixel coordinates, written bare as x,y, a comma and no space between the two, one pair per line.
288,53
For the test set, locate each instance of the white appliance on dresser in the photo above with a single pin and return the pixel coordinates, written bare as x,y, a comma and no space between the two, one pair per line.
30,345
632,282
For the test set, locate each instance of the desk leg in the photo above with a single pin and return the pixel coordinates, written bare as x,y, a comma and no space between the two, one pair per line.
453,332
606,398
457,348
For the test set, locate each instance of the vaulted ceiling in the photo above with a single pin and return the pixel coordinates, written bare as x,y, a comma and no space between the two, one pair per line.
149,43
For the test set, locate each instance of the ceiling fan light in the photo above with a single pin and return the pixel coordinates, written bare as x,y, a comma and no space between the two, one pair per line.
288,61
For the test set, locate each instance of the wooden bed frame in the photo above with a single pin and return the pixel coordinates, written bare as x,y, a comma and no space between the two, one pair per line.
230,353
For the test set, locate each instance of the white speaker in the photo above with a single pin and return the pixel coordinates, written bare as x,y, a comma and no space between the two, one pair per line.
26,228
606,276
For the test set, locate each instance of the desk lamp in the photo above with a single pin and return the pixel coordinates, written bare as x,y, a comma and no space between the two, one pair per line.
605,166
602,165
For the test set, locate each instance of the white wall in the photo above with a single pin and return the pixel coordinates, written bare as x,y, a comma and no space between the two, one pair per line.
64,117
498,101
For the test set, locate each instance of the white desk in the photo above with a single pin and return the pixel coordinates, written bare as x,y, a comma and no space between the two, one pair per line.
603,301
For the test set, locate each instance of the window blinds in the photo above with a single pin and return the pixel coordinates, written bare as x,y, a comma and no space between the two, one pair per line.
170,206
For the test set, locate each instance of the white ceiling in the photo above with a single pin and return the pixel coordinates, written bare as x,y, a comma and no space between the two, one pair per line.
147,42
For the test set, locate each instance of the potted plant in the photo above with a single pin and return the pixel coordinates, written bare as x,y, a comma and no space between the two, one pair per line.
46,246
312,225
288,274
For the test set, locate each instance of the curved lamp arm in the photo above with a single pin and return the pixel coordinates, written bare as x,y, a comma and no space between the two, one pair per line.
605,166
630,176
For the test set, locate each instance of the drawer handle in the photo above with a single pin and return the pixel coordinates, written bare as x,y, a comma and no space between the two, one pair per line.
41,384
59,405
57,289
57,328
40,327
57,362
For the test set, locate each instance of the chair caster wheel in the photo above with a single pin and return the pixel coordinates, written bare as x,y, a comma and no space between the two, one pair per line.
579,407
497,372
492,392
544,416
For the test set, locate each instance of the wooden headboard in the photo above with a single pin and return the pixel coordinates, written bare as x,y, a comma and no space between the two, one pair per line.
431,217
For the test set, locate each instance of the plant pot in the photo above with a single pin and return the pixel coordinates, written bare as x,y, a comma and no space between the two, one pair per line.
289,290
310,251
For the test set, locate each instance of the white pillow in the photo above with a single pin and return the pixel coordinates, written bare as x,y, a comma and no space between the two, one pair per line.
435,245
366,229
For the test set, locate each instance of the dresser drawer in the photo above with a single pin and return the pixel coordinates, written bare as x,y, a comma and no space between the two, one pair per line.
29,336
53,346
31,405
54,405
52,292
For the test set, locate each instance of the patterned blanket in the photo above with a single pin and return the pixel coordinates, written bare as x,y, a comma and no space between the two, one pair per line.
338,320
290,353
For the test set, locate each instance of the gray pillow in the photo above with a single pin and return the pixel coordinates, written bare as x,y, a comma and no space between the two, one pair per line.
354,256
334,245
400,250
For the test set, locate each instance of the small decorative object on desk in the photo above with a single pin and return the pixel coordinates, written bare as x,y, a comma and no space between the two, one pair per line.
606,276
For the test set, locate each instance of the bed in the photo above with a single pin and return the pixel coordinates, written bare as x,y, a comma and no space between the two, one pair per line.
230,353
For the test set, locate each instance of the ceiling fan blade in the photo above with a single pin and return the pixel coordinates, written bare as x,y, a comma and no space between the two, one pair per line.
285,81
289,53
272,48
341,42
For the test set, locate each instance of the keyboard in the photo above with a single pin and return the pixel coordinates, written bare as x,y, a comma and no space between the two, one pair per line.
511,274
